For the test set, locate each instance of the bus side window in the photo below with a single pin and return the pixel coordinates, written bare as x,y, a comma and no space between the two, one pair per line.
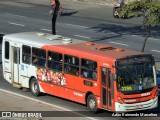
103,75
55,61
89,69
42,58
71,65
6,50
38,57
26,54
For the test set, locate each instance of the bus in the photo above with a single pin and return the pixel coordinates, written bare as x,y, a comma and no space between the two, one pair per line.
98,75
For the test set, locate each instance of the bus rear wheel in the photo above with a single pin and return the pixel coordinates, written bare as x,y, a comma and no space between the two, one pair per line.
92,104
34,87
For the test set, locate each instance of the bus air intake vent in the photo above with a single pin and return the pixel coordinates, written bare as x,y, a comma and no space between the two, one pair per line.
67,40
89,43
41,34
104,48
119,50
54,37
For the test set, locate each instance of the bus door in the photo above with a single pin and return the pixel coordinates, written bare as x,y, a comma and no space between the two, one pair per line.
106,88
6,61
15,64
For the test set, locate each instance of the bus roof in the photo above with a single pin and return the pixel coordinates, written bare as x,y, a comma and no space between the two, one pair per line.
72,46
39,39
96,50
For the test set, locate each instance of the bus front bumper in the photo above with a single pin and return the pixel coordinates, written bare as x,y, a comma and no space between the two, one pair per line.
136,106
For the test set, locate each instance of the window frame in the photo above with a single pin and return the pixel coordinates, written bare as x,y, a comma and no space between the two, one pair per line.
89,70
37,56
60,61
7,50
75,68
28,55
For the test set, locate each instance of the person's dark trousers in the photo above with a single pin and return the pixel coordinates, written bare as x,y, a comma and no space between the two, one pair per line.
54,17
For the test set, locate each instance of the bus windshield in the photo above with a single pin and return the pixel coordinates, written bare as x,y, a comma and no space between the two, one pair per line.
135,75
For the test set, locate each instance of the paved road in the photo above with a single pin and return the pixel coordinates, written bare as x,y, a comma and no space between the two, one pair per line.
16,106
92,23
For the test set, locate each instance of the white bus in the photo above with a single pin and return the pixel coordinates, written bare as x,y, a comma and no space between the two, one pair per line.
18,52
98,75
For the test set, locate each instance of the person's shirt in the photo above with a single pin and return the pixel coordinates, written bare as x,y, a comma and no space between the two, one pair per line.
53,3
57,4
85,74
121,1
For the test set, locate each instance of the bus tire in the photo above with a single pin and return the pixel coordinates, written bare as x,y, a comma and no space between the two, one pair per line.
92,104
34,87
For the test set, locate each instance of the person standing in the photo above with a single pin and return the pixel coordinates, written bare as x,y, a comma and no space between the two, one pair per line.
55,14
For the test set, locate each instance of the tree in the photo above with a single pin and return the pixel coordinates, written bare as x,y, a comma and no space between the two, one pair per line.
148,9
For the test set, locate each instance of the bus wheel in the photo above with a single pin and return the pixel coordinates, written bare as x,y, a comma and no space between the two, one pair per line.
92,104
34,87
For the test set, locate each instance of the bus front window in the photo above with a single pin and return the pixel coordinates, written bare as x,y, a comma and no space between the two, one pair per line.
135,78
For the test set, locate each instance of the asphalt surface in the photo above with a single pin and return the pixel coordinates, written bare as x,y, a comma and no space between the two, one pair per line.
16,106
85,22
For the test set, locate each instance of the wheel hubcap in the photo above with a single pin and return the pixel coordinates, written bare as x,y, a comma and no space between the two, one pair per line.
92,103
34,87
